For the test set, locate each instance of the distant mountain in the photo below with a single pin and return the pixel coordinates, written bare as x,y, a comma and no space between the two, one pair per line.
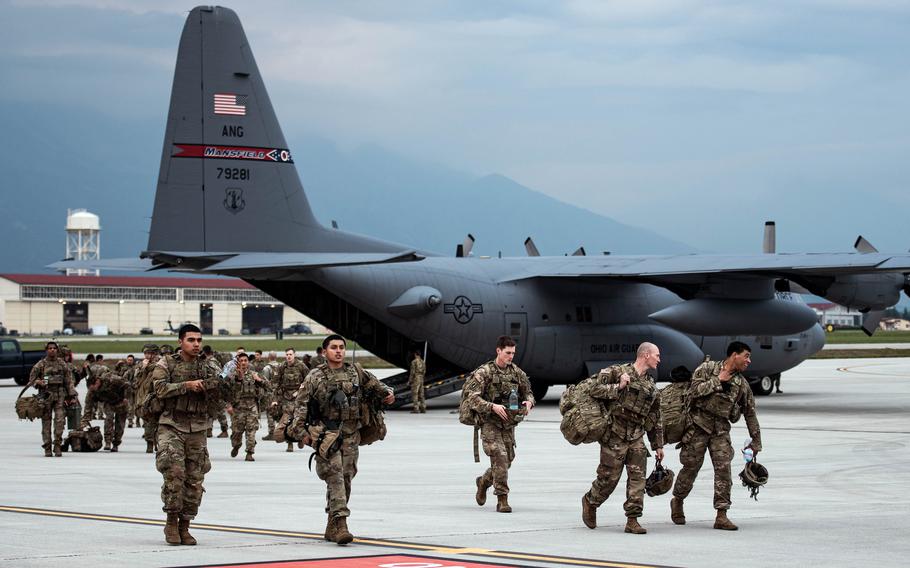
61,158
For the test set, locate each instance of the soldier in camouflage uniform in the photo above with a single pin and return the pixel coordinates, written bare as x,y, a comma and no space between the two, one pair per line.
495,381
719,395
268,373
319,359
288,377
191,392
53,379
143,387
334,392
247,389
634,406
129,375
415,380
113,392
218,360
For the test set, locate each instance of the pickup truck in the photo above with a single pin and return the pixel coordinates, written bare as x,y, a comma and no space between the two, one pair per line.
16,363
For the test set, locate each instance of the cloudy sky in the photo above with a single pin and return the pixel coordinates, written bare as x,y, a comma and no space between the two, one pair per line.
697,119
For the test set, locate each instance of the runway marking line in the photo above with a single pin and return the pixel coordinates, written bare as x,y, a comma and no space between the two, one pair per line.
387,543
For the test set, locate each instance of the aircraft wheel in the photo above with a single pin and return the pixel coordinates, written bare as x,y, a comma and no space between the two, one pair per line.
763,386
539,390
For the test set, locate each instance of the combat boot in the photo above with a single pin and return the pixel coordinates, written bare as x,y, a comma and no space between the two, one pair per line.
342,535
268,436
47,452
130,424
149,447
223,434
249,457
107,446
676,511
58,451
290,447
171,532
633,527
502,504
114,448
330,529
481,496
208,433
588,512
723,523
235,450
183,528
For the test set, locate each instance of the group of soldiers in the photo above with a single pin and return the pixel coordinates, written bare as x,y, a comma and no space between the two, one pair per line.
718,396
180,394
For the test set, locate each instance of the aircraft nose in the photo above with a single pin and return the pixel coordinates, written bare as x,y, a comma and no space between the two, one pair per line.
816,339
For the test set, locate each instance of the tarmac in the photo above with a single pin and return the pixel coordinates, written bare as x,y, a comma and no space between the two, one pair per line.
836,445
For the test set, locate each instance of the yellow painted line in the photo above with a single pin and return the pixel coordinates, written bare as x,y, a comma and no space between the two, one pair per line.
565,560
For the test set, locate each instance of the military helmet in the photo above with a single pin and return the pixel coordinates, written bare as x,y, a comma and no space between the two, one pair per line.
150,348
754,476
660,481
167,350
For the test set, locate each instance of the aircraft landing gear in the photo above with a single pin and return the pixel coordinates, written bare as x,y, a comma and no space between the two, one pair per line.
764,386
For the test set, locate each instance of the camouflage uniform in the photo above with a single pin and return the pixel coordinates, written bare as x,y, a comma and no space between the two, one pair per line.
143,387
114,396
129,375
634,410
714,406
340,468
268,373
221,359
246,392
319,360
58,386
415,380
183,457
494,385
287,379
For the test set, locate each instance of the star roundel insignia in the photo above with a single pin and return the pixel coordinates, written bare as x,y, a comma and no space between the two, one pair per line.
463,309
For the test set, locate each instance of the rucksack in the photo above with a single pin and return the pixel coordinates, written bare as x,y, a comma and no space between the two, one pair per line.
372,417
466,414
89,440
674,411
585,419
29,407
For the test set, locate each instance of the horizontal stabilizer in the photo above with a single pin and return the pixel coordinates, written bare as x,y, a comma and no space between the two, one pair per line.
250,264
122,264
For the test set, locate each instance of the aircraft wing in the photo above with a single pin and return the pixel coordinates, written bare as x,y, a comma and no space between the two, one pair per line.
284,264
117,264
862,280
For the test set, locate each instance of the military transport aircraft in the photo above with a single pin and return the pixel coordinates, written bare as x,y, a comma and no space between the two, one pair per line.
229,201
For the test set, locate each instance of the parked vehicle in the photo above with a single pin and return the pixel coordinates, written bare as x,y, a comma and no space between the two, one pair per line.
16,363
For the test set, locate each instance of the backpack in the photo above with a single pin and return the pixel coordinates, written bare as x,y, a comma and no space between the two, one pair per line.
372,417
674,411
585,419
29,407
151,407
89,440
466,414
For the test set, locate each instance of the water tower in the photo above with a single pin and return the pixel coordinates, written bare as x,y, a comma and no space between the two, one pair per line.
83,239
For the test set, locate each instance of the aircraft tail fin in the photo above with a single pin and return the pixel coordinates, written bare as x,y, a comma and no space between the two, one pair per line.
227,181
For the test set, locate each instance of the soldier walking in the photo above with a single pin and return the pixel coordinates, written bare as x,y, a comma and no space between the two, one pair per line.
52,377
143,388
719,396
328,417
497,385
415,380
247,389
634,406
288,377
265,403
112,392
191,392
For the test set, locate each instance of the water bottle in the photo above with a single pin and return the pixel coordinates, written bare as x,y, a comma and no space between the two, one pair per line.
513,400
748,454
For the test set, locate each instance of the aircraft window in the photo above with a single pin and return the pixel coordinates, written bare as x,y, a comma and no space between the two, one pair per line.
583,314
515,329
765,341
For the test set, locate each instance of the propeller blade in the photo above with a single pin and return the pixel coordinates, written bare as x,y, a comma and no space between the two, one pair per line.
459,250
863,246
531,247
468,244
769,244
580,251
870,321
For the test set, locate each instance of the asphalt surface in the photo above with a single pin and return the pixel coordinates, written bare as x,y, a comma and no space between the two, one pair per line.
836,445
